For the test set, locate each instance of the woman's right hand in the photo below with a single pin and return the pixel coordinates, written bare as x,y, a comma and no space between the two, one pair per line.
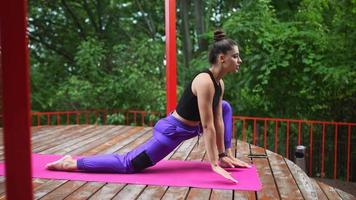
219,170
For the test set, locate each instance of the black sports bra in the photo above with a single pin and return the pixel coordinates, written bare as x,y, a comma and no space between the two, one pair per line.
188,104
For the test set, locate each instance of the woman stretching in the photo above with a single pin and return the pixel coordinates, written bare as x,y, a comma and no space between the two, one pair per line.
201,105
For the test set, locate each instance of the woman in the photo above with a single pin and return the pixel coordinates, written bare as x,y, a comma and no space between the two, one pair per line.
201,105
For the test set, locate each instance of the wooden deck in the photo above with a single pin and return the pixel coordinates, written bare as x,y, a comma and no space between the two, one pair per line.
281,178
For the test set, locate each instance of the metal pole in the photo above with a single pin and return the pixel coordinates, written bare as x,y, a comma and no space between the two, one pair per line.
171,80
16,99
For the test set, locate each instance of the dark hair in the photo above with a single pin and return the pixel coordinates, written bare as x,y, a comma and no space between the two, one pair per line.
221,45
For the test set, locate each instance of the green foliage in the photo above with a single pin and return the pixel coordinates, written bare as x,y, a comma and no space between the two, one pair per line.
299,68
298,56
116,118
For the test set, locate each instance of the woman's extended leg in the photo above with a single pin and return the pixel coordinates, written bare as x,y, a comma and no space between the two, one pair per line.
146,155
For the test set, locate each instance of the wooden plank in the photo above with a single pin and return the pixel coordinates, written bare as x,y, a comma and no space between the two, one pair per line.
182,152
138,133
69,145
344,195
109,143
100,130
81,190
152,192
221,194
199,194
303,181
286,184
47,187
129,192
178,193
269,188
329,191
198,153
241,150
58,134
61,138
108,191
86,191
126,189
91,144
64,190
318,190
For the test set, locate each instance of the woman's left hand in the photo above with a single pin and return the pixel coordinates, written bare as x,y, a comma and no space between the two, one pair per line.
229,161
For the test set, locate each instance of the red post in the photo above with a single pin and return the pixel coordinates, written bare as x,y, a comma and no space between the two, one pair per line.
287,143
299,131
254,132
348,153
243,130
311,150
323,152
265,135
276,138
16,99
335,151
171,78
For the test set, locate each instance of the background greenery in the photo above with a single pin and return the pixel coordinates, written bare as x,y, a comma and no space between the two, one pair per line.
298,58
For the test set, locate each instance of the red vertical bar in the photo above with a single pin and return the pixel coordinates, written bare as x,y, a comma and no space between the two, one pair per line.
16,99
67,118
323,152
48,119
77,116
171,79
38,119
104,117
287,143
276,137
143,118
234,135
254,132
58,119
299,131
243,130
335,150
311,150
135,118
348,153
87,117
265,135
127,118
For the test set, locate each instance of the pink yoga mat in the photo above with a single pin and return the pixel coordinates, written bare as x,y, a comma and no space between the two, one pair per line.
165,173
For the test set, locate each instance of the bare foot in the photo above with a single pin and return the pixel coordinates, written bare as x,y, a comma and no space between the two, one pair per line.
67,163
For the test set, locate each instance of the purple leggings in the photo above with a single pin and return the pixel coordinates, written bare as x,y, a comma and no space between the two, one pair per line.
168,133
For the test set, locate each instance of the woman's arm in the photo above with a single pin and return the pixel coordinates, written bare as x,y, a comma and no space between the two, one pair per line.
204,90
219,123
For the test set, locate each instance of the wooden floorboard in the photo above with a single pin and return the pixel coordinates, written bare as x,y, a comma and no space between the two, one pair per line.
269,188
286,184
281,178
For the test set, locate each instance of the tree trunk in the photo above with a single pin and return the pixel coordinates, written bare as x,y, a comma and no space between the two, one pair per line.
187,43
199,25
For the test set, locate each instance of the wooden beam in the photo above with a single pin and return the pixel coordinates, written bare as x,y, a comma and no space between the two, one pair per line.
16,99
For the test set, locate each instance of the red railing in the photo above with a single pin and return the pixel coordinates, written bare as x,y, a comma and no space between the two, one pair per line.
321,138
127,117
315,135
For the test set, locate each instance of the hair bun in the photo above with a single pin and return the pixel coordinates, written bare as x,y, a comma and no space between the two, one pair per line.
219,35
